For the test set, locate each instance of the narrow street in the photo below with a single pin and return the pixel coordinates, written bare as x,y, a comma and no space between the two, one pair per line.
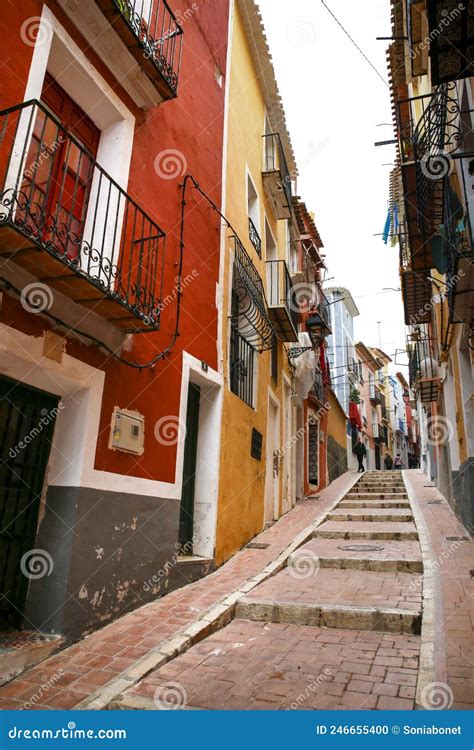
237,370
331,607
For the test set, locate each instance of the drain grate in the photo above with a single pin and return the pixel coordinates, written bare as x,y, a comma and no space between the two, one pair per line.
362,547
256,545
434,502
457,538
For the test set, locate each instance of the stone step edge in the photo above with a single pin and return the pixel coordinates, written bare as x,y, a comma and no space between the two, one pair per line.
346,617
366,516
395,536
141,703
216,617
361,563
381,504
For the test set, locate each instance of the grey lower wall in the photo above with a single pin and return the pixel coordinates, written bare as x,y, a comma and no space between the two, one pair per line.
111,553
337,459
463,493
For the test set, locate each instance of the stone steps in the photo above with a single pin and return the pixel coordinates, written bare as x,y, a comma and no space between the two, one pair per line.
375,496
382,619
371,514
365,530
383,555
353,503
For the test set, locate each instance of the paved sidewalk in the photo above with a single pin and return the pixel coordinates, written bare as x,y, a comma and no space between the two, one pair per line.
71,676
452,554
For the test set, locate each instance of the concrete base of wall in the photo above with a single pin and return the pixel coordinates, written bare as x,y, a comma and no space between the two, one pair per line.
462,500
111,553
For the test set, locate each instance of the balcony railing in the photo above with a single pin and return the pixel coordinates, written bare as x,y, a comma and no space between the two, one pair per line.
423,365
282,304
242,367
67,222
152,34
320,317
254,238
276,176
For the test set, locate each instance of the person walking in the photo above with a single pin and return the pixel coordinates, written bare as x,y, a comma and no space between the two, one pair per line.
398,463
388,461
360,452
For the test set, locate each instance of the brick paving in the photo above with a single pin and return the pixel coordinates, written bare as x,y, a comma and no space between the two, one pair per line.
65,679
348,587
266,666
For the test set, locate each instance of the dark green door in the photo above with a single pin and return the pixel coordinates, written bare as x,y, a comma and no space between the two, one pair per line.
186,516
27,418
377,456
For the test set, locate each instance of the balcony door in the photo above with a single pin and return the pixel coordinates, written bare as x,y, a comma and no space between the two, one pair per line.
59,170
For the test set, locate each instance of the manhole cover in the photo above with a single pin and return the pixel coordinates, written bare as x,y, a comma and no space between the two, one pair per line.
256,545
362,547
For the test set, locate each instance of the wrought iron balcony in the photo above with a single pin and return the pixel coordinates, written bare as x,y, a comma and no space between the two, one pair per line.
423,365
69,224
276,176
319,321
456,242
254,238
250,315
140,41
374,393
282,304
416,288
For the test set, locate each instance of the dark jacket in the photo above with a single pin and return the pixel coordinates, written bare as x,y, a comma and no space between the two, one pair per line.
388,462
359,449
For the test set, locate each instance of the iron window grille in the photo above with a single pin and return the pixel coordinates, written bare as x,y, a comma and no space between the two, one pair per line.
254,238
88,222
317,389
242,367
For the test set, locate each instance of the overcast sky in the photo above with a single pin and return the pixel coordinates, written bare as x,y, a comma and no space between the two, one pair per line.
334,102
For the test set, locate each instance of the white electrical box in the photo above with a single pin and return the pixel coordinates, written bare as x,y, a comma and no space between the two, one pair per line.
127,431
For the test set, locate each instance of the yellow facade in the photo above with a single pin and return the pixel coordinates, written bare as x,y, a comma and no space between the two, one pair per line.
241,506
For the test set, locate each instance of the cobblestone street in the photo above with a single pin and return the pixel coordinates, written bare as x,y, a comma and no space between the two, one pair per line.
366,611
